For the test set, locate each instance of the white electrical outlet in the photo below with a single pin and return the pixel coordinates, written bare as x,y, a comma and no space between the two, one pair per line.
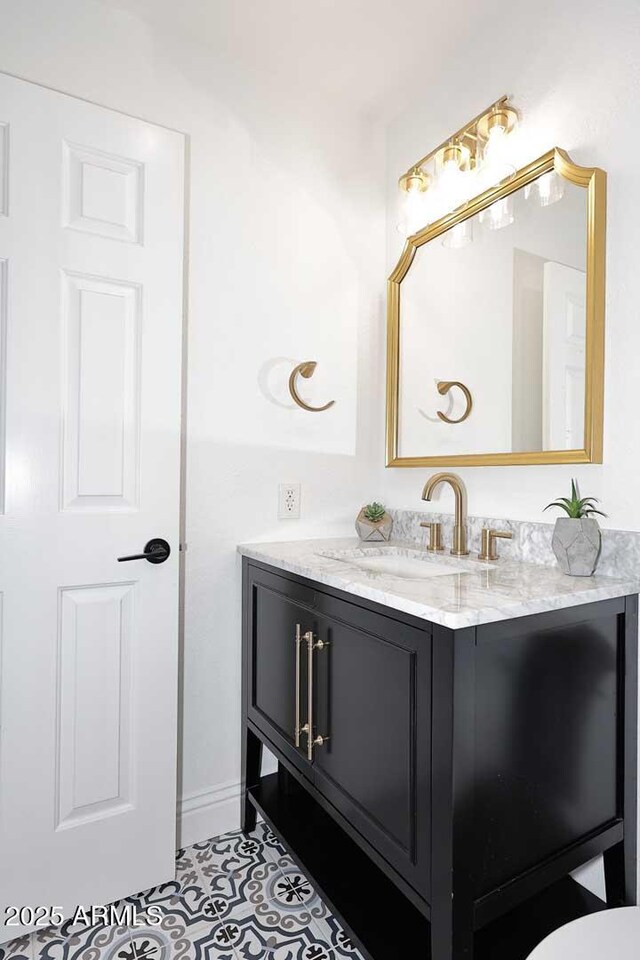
289,501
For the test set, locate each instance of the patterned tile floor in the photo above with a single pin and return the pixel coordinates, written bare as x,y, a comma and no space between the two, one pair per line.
234,898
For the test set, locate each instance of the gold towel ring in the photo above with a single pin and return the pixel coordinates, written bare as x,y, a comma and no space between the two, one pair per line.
305,370
443,387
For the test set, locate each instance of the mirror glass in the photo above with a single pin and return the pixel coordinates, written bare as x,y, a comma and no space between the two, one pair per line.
492,329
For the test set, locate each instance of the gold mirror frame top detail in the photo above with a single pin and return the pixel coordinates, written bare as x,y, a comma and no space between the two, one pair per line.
594,180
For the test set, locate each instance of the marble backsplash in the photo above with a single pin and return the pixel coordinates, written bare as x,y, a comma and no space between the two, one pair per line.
531,542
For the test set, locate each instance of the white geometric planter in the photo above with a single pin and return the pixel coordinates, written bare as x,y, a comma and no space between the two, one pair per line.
577,545
368,530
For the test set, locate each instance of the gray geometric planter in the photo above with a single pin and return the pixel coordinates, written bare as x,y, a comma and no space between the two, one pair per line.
368,530
576,545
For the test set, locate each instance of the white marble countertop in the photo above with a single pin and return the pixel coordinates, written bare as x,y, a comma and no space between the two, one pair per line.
473,593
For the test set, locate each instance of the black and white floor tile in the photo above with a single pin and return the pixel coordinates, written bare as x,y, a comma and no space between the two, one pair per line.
233,898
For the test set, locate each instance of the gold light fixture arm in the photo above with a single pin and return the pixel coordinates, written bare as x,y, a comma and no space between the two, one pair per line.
443,387
306,370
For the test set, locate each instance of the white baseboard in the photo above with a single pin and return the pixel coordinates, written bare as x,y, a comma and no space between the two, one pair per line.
208,813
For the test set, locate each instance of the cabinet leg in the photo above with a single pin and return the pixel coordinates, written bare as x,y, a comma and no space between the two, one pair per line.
620,876
451,936
620,861
453,840
251,764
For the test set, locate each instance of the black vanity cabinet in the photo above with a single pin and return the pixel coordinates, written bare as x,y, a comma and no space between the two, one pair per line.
452,776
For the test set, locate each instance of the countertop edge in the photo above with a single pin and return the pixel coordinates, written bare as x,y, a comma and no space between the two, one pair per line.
615,588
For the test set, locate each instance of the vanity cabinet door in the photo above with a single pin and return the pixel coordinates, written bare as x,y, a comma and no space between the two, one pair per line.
278,609
372,701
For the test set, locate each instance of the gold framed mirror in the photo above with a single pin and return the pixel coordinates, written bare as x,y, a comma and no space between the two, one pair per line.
495,326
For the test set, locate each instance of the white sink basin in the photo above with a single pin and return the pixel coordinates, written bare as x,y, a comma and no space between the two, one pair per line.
399,564
408,568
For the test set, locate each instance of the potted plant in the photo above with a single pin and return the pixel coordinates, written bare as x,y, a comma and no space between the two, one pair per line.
577,539
373,522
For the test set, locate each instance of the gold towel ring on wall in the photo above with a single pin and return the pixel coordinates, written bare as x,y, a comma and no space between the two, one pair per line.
443,387
306,370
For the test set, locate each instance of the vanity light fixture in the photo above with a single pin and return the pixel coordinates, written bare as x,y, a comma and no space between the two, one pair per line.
459,168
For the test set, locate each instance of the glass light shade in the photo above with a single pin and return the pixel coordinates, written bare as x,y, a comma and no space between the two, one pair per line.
497,153
472,182
459,236
550,188
500,214
497,158
452,187
496,145
547,189
417,207
493,173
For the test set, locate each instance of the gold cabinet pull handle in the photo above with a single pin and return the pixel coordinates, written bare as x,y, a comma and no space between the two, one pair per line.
443,387
309,638
306,370
297,730
308,727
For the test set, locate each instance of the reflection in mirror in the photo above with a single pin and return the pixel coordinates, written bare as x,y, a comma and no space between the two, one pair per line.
498,304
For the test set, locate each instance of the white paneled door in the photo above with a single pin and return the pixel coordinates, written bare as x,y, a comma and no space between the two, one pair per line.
91,220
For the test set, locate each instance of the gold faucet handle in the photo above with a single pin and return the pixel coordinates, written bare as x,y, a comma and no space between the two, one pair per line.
435,536
488,549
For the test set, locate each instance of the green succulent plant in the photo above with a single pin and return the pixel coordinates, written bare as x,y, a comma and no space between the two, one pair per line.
374,512
577,507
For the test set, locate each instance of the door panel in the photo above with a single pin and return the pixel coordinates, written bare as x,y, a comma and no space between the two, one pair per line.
372,702
103,194
276,619
101,412
94,776
91,238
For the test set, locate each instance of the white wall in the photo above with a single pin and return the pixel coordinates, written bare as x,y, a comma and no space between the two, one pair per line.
573,70
286,251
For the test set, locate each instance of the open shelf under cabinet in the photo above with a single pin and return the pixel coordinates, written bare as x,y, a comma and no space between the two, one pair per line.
381,921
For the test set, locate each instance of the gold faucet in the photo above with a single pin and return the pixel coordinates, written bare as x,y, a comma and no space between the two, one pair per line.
459,548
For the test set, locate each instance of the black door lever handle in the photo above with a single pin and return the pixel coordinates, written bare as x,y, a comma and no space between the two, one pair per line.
155,551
